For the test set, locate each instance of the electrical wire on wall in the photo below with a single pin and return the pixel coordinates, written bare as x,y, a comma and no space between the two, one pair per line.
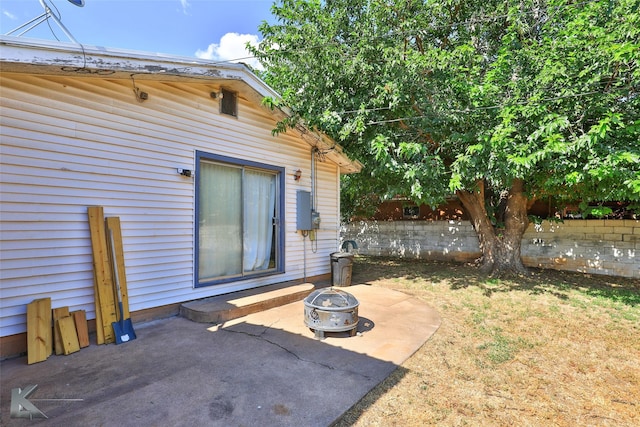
314,177
313,238
141,96
305,234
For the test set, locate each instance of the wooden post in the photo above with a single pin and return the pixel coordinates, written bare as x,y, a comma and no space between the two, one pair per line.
103,280
113,224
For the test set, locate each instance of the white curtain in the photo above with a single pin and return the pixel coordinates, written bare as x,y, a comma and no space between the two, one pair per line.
236,213
220,221
259,212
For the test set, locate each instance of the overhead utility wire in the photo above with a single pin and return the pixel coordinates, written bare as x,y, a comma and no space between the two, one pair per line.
58,16
373,109
492,107
57,13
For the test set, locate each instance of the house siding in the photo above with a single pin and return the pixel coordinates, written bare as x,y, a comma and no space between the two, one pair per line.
72,142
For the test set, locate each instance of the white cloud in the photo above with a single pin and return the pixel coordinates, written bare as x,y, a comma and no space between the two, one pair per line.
9,15
185,5
232,48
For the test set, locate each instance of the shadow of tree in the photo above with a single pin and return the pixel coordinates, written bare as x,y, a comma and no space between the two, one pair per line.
615,289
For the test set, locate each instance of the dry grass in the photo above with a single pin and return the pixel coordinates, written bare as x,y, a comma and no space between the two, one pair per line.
553,349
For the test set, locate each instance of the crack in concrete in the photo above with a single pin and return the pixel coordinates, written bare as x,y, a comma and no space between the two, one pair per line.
324,365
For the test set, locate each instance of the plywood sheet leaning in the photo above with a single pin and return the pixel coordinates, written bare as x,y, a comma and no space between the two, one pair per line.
39,339
80,319
68,335
58,313
113,224
103,280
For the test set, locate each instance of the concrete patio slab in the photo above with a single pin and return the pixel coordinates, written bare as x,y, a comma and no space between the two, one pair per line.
263,369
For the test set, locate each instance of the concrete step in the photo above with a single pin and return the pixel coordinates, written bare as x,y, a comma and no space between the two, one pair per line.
226,307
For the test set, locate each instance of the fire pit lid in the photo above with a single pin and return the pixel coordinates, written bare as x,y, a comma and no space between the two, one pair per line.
331,299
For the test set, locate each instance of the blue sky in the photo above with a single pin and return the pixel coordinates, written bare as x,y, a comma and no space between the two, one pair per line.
208,29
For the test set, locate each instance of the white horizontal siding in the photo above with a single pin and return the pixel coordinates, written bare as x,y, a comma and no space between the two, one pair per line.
70,143
327,204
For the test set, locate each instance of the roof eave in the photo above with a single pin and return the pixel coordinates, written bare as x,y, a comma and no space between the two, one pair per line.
20,54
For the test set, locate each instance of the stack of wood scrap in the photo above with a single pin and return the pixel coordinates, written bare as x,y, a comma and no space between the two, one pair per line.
56,330
104,266
62,332
70,330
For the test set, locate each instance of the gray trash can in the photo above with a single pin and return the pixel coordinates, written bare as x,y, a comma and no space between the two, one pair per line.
341,268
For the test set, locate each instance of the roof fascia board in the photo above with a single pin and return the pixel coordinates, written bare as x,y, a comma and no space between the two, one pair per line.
67,56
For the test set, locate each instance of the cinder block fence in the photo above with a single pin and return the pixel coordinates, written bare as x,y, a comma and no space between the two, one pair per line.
605,246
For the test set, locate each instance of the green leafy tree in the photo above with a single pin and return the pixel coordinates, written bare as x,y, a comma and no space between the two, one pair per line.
498,102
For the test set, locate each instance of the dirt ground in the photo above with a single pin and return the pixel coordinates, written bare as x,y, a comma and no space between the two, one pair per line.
554,349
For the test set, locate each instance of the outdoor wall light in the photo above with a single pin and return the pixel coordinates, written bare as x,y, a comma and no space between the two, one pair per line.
297,175
185,172
141,95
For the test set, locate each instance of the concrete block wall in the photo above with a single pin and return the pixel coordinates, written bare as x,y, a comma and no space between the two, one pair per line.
609,247
596,246
438,240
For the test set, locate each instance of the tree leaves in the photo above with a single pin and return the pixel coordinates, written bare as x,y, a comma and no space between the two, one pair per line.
434,96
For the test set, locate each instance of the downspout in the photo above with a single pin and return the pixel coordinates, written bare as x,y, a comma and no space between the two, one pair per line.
306,233
313,178
314,187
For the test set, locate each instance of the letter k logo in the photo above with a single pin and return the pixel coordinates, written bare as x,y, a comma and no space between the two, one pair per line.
21,407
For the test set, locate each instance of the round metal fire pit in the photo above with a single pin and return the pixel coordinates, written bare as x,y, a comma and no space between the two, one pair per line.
331,310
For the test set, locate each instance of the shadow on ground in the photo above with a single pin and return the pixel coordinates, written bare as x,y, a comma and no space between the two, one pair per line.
180,374
262,369
461,276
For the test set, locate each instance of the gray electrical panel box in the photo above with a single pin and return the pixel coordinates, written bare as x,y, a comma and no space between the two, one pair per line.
303,210
306,217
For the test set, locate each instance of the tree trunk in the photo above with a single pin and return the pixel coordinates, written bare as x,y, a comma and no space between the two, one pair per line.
500,246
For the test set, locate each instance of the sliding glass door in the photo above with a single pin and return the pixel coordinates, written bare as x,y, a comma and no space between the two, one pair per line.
238,220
